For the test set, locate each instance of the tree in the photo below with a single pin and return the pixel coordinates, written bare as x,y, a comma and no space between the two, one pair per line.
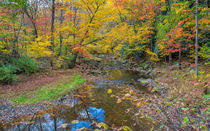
52,25
196,39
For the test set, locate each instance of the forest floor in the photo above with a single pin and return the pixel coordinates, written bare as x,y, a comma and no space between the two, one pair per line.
175,95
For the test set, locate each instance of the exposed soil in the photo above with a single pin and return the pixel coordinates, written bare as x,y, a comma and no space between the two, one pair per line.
33,81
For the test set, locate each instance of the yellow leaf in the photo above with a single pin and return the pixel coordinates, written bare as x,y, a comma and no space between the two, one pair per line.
119,100
131,91
74,122
138,105
109,91
63,126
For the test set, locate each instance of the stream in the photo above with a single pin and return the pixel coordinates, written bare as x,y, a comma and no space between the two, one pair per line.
87,105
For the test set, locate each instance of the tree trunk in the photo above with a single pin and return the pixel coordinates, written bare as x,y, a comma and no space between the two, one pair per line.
35,30
55,123
61,36
52,29
32,22
14,50
170,56
52,25
40,124
168,3
75,18
196,40
165,59
74,60
180,55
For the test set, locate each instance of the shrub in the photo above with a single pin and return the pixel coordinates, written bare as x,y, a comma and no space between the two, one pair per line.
69,61
70,57
64,62
26,65
1,63
7,74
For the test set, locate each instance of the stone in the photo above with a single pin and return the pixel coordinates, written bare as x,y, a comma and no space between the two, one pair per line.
160,90
145,81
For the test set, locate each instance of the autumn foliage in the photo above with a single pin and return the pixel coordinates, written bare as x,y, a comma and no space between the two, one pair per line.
125,28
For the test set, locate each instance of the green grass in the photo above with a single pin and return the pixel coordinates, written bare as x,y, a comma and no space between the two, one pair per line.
49,92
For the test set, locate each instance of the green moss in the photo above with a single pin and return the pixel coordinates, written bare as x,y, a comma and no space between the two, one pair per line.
48,92
19,100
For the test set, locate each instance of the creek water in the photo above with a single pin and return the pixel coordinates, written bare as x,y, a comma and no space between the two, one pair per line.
86,105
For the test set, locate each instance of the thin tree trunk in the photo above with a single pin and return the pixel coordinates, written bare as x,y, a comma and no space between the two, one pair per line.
45,14
35,30
165,59
55,123
74,60
75,18
196,40
40,124
151,43
14,50
32,22
52,25
170,56
52,29
61,36
168,5
180,55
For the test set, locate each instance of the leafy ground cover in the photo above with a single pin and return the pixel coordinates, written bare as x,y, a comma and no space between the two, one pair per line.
50,91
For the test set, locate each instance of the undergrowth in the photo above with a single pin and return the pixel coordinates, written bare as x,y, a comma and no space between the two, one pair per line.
7,74
25,64
189,96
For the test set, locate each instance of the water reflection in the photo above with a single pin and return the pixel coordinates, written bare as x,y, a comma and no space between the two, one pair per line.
96,114
50,122
124,75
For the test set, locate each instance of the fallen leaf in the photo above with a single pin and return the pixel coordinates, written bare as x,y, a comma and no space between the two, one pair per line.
119,100
109,91
138,105
127,95
63,126
131,91
74,122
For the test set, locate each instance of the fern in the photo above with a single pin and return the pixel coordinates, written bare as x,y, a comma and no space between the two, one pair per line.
7,74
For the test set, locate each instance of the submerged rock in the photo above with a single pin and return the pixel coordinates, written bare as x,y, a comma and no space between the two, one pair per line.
145,81
160,90
148,72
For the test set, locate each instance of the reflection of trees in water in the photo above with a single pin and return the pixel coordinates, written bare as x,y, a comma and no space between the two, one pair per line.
126,75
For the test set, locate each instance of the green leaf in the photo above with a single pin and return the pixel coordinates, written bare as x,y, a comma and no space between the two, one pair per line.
126,128
127,95
74,122
186,120
102,125
184,109
63,126
109,91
